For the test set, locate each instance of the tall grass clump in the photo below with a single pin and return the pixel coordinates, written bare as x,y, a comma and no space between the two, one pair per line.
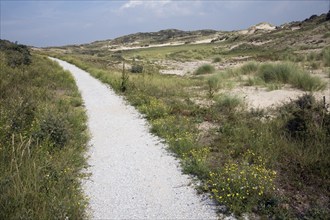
248,68
288,73
213,85
307,82
227,103
276,72
326,56
205,69
42,141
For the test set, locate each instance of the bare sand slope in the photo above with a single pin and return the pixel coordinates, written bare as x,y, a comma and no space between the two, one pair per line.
133,177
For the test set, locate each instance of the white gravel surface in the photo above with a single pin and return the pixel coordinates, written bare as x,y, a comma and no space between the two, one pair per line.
133,177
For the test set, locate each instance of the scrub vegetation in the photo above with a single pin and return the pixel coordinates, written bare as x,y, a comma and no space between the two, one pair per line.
42,138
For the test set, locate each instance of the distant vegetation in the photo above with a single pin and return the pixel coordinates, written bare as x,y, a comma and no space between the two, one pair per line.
42,138
16,54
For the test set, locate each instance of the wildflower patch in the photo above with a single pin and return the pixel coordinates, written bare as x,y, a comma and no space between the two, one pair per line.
242,185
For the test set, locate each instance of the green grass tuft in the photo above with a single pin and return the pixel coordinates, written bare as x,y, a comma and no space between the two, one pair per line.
205,69
288,73
228,103
249,68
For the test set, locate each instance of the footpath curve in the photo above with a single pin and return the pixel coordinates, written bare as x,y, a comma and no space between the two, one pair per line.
133,177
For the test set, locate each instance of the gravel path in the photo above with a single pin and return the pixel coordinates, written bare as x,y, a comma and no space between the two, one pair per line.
133,177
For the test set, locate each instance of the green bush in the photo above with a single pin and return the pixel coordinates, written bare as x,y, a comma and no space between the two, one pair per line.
16,54
217,59
306,118
306,122
205,69
53,128
137,68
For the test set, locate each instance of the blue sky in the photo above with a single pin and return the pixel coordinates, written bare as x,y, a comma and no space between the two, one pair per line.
56,23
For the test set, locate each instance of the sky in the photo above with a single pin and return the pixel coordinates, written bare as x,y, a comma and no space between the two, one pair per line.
57,23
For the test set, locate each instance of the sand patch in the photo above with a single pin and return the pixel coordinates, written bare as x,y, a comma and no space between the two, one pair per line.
256,97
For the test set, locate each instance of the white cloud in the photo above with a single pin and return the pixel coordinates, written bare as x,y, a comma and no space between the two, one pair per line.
163,8
152,4
131,4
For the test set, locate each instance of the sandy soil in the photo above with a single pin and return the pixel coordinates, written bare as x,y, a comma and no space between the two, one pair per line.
262,98
134,47
133,176
188,67
180,68
255,97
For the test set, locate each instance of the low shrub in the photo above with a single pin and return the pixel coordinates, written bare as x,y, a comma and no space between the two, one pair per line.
306,117
16,54
314,65
53,128
137,68
217,59
205,69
